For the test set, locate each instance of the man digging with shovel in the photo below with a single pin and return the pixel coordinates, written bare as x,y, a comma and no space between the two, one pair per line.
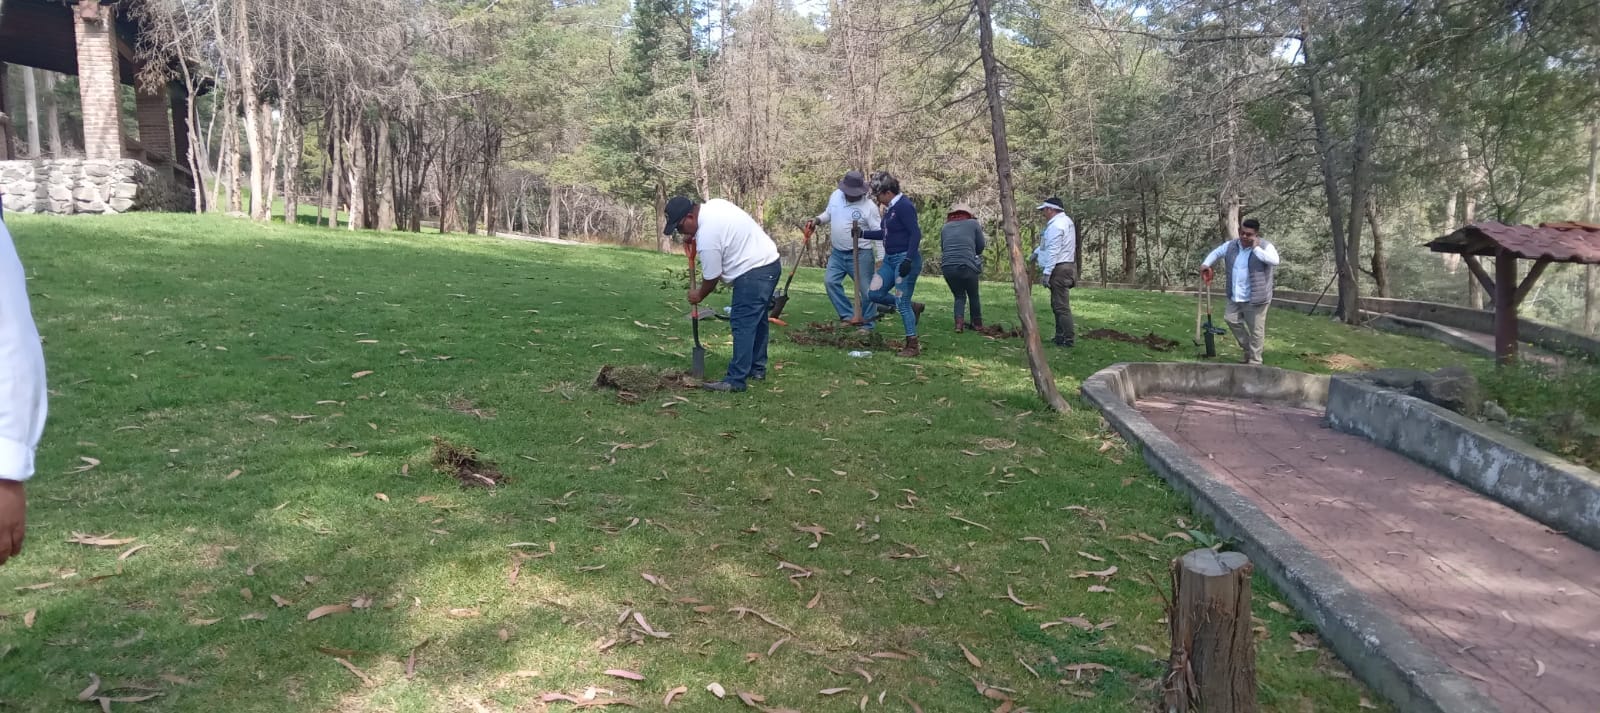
732,248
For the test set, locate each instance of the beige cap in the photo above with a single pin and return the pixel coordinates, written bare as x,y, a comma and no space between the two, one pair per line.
961,208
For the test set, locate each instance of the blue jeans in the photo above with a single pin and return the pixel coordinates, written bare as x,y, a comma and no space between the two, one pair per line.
890,272
840,265
752,300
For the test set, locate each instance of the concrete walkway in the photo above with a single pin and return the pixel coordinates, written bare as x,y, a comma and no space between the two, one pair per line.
1490,592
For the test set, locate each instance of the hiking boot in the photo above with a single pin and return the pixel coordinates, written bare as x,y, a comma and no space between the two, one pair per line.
721,386
961,325
913,348
977,324
916,312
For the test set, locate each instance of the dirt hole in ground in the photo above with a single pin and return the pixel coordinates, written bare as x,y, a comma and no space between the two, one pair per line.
464,406
1151,340
841,335
633,383
1338,362
465,464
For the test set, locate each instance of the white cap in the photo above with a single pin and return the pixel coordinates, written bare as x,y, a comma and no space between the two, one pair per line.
1048,204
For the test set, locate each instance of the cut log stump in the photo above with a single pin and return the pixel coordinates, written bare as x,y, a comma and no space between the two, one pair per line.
1213,664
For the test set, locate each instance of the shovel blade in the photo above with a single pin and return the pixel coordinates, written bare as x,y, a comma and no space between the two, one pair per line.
697,366
778,303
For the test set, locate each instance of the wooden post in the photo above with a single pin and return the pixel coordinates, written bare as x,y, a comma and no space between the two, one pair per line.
1213,664
1505,307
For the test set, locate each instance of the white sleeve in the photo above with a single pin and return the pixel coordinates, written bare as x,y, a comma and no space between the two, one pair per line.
1267,252
1215,254
23,397
1069,242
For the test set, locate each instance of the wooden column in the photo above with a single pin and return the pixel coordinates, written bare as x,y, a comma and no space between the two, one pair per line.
1505,307
1213,663
99,84
153,111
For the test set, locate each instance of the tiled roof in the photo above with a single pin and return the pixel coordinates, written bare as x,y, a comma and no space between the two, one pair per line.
1558,242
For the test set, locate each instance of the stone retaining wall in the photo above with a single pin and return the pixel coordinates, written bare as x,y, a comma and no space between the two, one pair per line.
1542,335
1541,485
68,186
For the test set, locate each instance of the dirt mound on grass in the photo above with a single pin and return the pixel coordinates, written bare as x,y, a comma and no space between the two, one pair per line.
465,464
1151,340
1338,362
997,331
633,383
841,335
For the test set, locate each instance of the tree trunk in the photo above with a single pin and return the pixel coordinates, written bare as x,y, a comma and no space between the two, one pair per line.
334,130
663,241
52,116
1043,379
1327,158
253,106
1130,250
30,101
354,168
385,178
1360,183
552,218
296,136
1469,209
1380,262
274,150
1591,273
1213,663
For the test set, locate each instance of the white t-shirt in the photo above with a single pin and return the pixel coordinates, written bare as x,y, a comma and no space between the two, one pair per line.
840,213
730,242
23,398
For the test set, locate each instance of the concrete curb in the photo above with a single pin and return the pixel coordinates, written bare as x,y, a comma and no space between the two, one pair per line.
1561,495
1381,653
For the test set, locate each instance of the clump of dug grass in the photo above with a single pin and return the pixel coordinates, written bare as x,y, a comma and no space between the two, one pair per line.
465,464
632,383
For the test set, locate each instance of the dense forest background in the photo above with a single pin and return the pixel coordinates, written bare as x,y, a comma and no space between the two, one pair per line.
1354,130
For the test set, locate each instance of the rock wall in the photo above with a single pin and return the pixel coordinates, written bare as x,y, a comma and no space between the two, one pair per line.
68,186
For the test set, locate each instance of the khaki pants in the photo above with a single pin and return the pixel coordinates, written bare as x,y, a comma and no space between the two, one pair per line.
1063,277
1249,325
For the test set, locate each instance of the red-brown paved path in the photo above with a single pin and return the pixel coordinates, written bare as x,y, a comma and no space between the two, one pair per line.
1491,592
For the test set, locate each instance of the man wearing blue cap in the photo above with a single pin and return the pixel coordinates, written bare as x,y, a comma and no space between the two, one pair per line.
732,248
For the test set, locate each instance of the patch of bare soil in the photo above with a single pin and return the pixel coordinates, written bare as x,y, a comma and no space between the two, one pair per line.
465,464
1151,340
841,335
998,331
633,383
464,406
1338,361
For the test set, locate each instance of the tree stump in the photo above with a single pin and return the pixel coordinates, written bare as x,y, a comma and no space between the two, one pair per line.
1213,664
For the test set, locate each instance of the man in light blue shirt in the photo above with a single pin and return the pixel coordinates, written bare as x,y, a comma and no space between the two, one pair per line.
1251,261
1057,256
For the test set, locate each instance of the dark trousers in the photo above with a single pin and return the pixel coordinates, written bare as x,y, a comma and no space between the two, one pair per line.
963,282
752,301
1063,277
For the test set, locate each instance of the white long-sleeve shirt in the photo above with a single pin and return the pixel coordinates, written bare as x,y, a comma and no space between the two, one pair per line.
1239,275
1058,244
23,399
730,242
841,212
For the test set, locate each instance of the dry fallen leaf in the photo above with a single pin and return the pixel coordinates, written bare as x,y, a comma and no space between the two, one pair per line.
1097,589
1086,555
814,600
94,685
717,690
98,540
230,476
1279,607
832,691
1040,540
623,673
324,610
253,616
463,613
88,464
891,655
659,582
129,552
280,601
28,618
360,374
754,700
382,497
674,693
197,621
971,658
1364,703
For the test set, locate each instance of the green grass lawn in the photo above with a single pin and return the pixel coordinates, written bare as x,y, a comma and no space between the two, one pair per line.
209,368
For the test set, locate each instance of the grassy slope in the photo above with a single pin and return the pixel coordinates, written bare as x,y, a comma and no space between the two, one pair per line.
182,349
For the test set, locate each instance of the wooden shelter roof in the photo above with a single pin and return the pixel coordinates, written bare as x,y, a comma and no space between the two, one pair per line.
40,34
1547,242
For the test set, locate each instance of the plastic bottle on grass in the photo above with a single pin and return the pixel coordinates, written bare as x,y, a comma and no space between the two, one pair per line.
860,354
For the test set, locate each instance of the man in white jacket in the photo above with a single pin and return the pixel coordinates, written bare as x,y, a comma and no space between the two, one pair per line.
850,207
1057,256
22,396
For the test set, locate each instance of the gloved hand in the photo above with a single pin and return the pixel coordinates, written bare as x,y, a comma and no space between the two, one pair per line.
905,267
1206,274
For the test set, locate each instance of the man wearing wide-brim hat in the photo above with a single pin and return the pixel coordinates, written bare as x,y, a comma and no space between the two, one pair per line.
1057,256
849,209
